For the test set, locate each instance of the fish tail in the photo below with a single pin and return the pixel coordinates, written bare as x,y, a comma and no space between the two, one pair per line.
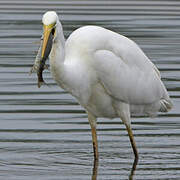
40,83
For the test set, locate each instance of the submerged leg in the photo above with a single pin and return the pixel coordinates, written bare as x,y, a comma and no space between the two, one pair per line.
92,122
95,170
133,169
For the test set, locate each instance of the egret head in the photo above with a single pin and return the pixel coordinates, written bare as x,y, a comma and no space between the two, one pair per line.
49,17
49,25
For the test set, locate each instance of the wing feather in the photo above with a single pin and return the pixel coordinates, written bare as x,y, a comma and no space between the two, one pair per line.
127,73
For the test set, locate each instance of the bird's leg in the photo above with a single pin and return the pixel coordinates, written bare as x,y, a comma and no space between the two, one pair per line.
95,143
124,113
92,122
132,140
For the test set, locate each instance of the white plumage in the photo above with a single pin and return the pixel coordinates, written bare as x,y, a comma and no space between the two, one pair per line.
108,74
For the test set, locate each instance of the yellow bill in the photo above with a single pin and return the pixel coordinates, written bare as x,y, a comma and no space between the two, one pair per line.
47,40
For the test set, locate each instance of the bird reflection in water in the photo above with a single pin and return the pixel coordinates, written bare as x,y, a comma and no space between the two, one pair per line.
96,164
133,169
95,169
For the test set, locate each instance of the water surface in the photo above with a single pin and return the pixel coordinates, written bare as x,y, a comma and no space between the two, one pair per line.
44,133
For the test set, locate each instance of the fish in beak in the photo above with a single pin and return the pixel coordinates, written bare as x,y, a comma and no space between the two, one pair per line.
48,36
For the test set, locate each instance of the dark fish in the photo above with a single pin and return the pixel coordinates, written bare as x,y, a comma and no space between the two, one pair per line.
43,60
39,73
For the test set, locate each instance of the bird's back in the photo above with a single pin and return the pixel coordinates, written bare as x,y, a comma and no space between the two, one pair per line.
92,39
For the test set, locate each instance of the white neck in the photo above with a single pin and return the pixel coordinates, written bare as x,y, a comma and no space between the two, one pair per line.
57,56
66,74
58,48
60,34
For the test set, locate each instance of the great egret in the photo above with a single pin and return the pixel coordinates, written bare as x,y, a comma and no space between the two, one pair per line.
108,73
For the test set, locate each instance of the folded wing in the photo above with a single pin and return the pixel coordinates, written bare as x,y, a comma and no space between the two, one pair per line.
127,74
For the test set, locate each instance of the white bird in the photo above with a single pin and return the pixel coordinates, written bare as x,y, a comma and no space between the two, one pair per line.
106,72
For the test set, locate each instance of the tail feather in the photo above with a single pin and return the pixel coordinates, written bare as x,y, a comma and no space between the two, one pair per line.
166,105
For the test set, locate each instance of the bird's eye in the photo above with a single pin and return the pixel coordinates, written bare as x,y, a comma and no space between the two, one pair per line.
53,31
